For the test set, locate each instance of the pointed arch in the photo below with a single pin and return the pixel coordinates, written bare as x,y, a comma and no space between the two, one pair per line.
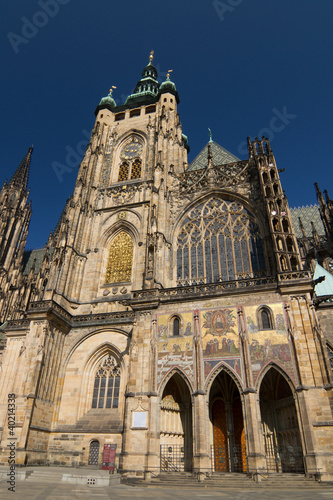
218,240
168,376
226,411
280,422
273,365
89,389
130,155
265,318
176,434
222,366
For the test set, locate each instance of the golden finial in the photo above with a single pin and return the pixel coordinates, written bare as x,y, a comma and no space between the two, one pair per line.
112,88
168,73
151,56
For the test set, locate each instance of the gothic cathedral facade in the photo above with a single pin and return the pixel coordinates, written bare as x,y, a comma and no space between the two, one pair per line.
169,314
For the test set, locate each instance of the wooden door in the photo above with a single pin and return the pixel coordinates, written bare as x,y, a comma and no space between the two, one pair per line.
220,437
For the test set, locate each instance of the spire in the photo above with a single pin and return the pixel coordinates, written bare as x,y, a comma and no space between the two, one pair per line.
320,196
324,211
301,226
147,87
305,239
210,135
20,178
315,234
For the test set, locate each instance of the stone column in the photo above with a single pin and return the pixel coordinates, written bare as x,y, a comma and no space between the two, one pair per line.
256,458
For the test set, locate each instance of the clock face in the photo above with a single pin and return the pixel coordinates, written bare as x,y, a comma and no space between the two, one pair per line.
131,150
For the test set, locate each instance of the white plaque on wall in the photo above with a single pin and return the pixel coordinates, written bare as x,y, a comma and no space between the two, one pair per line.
140,419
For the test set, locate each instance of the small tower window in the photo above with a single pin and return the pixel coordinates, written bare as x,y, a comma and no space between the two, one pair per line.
119,116
150,109
176,324
285,225
135,112
265,319
136,169
123,172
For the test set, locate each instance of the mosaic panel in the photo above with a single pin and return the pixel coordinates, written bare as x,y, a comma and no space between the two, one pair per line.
220,339
271,344
175,351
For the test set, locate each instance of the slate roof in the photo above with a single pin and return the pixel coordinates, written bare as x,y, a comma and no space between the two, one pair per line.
307,214
220,157
32,256
325,288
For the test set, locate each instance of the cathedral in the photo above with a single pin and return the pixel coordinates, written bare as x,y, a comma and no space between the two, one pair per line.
179,314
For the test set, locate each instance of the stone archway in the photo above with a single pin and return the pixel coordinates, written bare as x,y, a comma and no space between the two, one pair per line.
282,438
228,433
176,426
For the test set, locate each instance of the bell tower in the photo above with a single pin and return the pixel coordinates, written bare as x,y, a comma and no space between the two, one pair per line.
118,206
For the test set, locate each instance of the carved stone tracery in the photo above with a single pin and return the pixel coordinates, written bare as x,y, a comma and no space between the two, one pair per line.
218,241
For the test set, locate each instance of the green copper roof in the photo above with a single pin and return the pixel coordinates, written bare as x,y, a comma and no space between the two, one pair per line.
148,86
108,100
325,288
307,214
220,157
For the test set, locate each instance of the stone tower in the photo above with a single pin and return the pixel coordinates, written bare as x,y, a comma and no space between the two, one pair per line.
171,315
15,217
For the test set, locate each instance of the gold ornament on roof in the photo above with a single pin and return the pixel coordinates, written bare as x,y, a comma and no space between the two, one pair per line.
151,56
168,73
112,89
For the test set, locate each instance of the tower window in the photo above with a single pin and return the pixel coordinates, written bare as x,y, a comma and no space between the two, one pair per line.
135,112
176,325
119,116
265,319
150,109
107,384
119,266
123,172
136,169
285,225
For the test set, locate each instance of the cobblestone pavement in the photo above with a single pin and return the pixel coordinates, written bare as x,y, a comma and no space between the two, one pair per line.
53,491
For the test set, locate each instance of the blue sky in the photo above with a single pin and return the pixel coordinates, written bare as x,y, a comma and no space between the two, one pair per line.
236,63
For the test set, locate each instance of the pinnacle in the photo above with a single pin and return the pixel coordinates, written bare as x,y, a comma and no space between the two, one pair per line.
20,177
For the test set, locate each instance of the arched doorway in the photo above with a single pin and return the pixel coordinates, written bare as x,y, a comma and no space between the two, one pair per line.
228,433
176,426
93,453
283,446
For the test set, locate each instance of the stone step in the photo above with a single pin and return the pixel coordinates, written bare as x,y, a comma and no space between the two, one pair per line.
230,480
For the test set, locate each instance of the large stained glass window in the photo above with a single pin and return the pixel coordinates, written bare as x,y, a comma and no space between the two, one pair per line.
119,265
218,241
107,384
